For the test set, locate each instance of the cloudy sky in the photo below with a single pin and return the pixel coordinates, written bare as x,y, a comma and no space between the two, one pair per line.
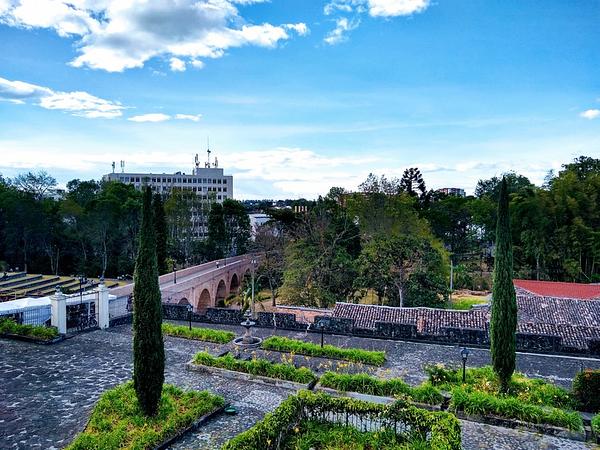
299,95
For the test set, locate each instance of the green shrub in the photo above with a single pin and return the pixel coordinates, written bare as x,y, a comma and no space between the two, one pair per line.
260,367
358,355
596,425
472,402
586,390
366,384
117,420
8,326
442,429
198,334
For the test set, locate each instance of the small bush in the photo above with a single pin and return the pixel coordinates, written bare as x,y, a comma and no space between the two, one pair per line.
117,420
596,425
8,326
586,390
358,355
260,367
513,408
366,384
198,334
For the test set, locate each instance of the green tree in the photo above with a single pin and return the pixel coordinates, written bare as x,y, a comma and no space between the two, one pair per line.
503,324
217,236
160,228
148,346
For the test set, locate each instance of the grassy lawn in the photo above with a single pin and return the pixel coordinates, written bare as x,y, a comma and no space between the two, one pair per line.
465,302
197,333
357,355
325,436
118,423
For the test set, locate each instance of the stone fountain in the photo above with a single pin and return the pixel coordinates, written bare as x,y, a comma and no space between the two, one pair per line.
247,340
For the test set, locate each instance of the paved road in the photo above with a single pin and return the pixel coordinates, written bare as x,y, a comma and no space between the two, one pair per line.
47,392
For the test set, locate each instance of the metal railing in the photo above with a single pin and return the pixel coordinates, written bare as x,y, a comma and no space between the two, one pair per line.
34,316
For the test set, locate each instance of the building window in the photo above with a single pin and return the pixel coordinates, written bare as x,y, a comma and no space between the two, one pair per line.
219,181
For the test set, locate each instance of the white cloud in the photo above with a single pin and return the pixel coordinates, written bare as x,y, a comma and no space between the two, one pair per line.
375,8
590,114
339,33
299,28
192,117
197,63
152,117
77,103
115,35
177,65
392,8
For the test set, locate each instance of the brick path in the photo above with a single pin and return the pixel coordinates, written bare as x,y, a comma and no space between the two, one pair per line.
47,392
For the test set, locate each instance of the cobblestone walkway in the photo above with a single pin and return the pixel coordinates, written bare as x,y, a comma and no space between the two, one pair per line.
47,392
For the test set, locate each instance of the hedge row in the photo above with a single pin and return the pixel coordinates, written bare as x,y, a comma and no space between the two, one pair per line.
198,334
8,326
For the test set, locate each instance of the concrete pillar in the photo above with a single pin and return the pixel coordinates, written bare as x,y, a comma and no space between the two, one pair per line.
102,306
58,309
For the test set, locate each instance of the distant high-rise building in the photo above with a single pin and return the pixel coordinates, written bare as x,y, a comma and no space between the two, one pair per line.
207,184
453,191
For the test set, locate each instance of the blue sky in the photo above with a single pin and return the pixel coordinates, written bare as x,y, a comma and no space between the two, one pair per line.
299,95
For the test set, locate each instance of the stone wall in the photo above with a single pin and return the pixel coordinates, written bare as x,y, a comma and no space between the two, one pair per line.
395,330
384,330
539,342
471,336
123,320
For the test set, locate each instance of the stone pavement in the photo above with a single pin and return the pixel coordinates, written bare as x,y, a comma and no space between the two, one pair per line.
47,392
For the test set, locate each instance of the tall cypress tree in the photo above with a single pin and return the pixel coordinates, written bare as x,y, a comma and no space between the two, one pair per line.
148,347
160,228
503,324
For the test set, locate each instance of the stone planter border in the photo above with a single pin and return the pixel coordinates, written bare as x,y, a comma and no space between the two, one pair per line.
193,426
550,430
247,376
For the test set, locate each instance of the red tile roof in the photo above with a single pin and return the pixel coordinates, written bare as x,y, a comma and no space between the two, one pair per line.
559,289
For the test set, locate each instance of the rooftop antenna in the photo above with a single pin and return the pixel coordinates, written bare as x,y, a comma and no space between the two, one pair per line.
216,162
197,161
122,166
207,165
113,167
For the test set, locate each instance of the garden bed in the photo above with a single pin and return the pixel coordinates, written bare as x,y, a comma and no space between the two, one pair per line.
530,403
198,334
255,369
356,355
320,419
117,421
392,388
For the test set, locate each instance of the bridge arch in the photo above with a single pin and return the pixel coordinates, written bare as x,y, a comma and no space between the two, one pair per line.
183,301
221,293
234,285
204,300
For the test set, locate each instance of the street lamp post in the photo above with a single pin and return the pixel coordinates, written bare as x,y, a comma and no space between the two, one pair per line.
174,273
253,262
464,354
189,309
322,328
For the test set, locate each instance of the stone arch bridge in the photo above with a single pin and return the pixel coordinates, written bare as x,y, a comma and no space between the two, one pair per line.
202,286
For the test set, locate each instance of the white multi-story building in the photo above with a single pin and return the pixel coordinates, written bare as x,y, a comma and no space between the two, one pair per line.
208,184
